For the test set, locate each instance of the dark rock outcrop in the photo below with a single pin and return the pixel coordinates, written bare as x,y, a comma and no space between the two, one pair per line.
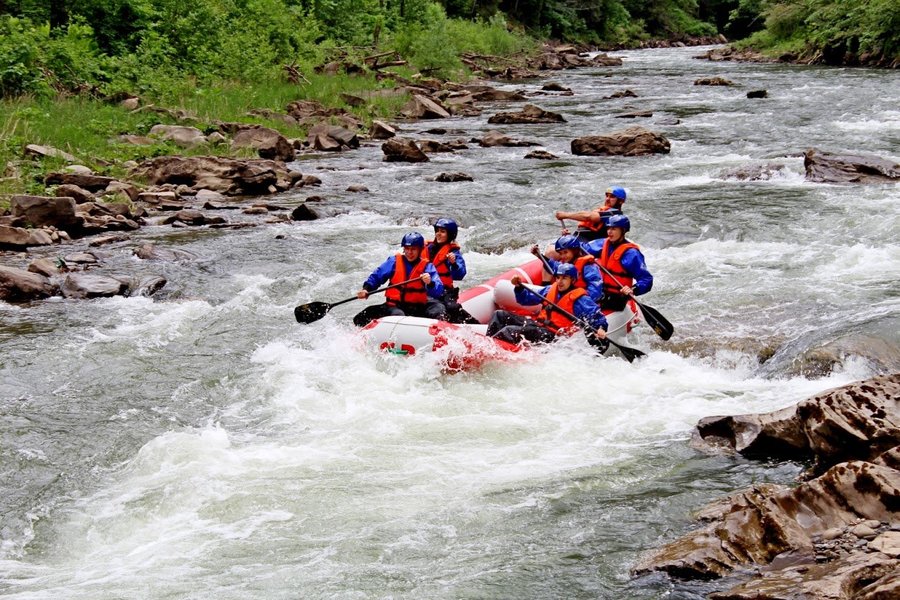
824,167
633,141
529,114
17,285
402,150
229,176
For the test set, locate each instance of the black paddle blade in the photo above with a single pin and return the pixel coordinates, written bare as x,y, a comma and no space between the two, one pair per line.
307,313
629,353
657,322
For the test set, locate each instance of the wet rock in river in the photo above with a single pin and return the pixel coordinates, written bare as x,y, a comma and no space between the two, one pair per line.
402,150
452,177
497,138
825,167
18,285
83,285
541,155
633,141
529,114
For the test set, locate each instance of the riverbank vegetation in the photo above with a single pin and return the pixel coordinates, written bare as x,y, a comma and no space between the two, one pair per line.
65,66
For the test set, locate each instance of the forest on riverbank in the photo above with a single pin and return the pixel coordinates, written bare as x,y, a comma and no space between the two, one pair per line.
65,66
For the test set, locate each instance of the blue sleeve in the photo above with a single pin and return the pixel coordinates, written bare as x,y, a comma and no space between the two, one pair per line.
528,297
587,310
458,269
380,275
436,290
633,262
594,281
593,247
553,264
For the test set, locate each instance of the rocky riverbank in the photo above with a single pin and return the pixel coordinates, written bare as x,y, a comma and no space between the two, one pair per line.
834,536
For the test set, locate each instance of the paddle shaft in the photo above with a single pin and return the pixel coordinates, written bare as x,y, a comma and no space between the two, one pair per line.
654,318
378,291
629,353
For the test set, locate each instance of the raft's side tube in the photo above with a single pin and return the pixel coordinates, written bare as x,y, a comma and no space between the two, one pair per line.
481,300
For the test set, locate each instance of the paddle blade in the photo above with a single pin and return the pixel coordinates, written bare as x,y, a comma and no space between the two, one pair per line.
307,313
629,353
657,322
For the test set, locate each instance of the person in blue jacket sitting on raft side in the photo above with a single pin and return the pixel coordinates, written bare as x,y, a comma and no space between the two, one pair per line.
550,322
419,298
445,254
569,250
622,265
592,224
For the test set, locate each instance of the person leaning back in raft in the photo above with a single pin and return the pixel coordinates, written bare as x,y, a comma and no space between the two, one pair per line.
592,224
550,322
417,298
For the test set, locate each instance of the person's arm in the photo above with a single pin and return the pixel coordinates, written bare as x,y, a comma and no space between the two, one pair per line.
587,310
527,296
458,266
594,281
583,215
633,262
380,275
435,287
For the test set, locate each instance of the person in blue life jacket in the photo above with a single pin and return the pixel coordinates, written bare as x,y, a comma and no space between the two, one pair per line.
621,263
550,322
445,254
419,298
592,224
569,250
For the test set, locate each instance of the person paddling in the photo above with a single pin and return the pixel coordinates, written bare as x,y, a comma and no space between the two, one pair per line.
592,224
550,322
445,254
419,298
622,265
569,250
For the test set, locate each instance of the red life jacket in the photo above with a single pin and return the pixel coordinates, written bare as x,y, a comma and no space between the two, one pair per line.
554,319
611,261
580,263
439,261
412,293
599,228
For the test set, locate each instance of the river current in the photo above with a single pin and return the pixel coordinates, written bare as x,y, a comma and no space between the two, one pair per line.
202,444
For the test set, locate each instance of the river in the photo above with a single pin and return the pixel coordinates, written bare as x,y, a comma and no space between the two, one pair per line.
202,444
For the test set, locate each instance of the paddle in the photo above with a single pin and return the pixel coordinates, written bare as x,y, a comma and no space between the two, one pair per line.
654,318
313,311
629,353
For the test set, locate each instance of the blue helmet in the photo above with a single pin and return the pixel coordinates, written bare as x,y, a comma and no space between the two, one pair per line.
448,224
413,239
566,270
620,221
618,192
568,242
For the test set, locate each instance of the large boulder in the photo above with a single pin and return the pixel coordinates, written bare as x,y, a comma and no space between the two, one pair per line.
331,137
17,285
824,167
529,114
180,135
402,150
422,107
88,181
19,238
41,211
228,176
633,141
84,285
266,141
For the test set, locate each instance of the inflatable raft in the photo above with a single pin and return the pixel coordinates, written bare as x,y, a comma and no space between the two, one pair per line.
467,346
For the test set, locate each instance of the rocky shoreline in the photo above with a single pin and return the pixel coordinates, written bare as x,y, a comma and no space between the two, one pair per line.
836,535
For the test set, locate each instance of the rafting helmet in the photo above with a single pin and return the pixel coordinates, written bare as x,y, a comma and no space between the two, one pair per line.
620,221
618,192
413,239
568,242
566,270
448,224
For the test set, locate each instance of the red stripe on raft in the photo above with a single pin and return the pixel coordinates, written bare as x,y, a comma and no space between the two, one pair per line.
530,271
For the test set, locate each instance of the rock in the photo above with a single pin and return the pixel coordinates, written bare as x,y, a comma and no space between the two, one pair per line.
622,94
17,285
529,114
79,194
758,94
381,130
108,239
180,135
887,543
636,114
824,167
130,103
488,94
266,141
451,177
553,86
48,151
45,266
82,258
125,190
772,434
634,141
154,252
88,181
83,285
357,188
422,107
713,81
229,176
148,286
541,155
19,238
157,197
304,213
431,146
40,211
330,137
605,60
497,138
402,150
